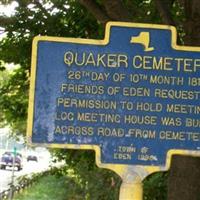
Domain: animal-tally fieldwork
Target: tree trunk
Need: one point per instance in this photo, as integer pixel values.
(184, 174)
(184, 178)
(192, 23)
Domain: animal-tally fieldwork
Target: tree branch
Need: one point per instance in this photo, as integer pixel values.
(5, 21)
(95, 9)
(116, 10)
(40, 6)
(191, 24)
(23, 3)
(163, 8)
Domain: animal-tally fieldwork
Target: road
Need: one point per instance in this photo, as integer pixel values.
(28, 168)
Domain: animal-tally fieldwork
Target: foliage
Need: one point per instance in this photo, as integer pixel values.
(3, 80)
(155, 186)
(96, 183)
(13, 101)
(63, 19)
(62, 183)
(29, 21)
(47, 188)
(85, 19)
(58, 18)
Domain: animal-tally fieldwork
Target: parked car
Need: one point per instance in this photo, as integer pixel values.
(32, 158)
(7, 160)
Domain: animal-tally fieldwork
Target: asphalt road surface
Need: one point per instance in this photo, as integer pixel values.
(28, 168)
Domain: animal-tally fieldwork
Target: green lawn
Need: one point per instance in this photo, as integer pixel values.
(51, 188)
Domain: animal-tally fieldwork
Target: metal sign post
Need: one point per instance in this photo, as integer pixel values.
(133, 97)
(131, 189)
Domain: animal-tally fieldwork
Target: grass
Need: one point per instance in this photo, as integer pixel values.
(50, 187)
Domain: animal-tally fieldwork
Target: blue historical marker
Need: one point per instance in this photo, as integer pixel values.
(134, 95)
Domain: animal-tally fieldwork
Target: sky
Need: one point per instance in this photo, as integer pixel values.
(8, 10)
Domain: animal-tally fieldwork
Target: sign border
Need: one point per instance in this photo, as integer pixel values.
(120, 169)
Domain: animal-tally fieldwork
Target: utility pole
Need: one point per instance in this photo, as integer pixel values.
(13, 174)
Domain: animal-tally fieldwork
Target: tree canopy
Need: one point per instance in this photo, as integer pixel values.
(78, 19)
